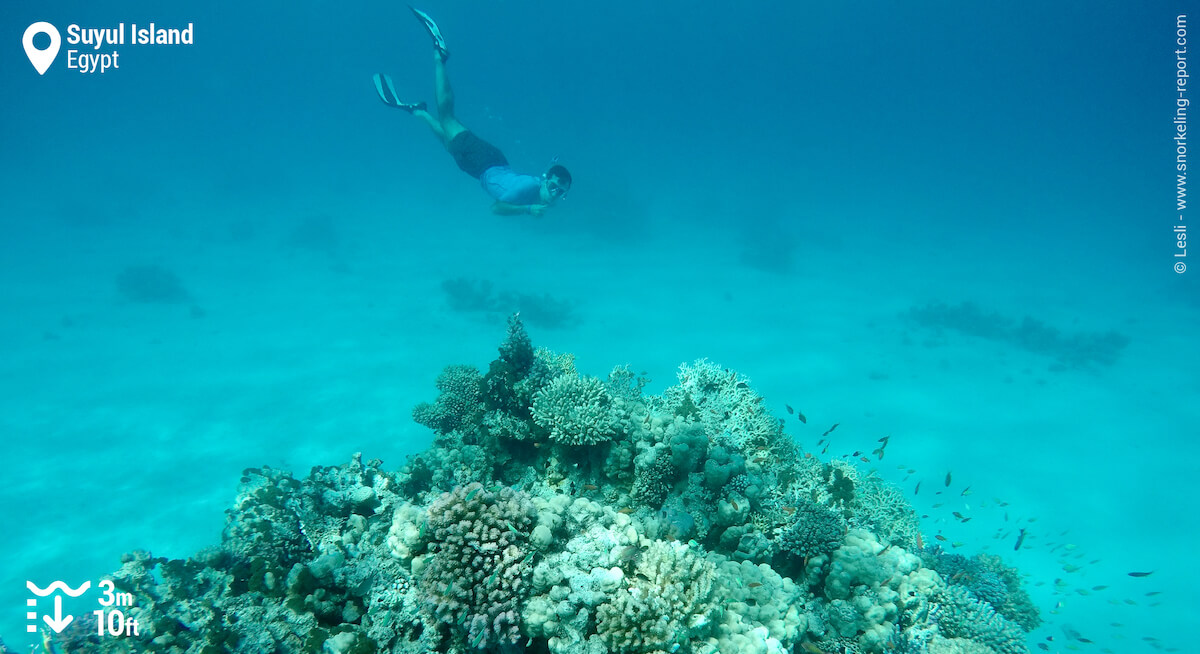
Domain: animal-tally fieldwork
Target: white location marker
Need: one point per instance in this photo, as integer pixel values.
(41, 59)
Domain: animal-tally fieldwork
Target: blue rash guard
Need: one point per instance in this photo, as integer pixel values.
(508, 186)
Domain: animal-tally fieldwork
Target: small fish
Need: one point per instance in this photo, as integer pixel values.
(753, 584)
(957, 515)
(789, 408)
(966, 491)
(473, 492)
(789, 510)
(917, 489)
(864, 459)
(821, 441)
(857, 453)
(1141, 574)
(1020, 539)
(801, 418)
(735, 505)
(1071, 568)
(884, 440)
(830, 430)
(957, 544)
(1099, 588)
(966, 520)
(939, 505)
(947, 480)
(590, 487)
(940, 537)
(1153, 593)
(625, 510)
(1044, 646)
(496, 488)
(825, 450)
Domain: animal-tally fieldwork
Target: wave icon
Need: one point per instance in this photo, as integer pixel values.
(58, 585)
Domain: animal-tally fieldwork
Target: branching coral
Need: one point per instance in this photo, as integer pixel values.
(668, 601)
(475, 578)
(964, 616)
(575, 410)
(458, 404)
(816, 530)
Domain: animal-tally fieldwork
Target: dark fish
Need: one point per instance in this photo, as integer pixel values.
(857, 453)
(1153, 593)
(1020, 539)
(1141, 574)
(825, 450)
(789, 408)
(940, 537)
(957, 515)
(947, 480)
(801, 417)
(884, 440)
(830, 430)
(1044, 646)
(917, 489)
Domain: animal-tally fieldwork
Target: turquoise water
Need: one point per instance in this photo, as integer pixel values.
(941, 222)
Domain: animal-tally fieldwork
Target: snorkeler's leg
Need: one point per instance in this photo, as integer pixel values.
(433, 123)
(445, 101)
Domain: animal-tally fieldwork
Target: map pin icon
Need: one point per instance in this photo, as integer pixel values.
(41, 59)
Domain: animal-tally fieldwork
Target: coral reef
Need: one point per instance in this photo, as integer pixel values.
(563, 513)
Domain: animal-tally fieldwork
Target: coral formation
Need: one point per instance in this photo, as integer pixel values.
(563, 513)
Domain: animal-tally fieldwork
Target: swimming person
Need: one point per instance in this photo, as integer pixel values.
(514, 193)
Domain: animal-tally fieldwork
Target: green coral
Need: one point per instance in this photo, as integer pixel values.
(576, 410)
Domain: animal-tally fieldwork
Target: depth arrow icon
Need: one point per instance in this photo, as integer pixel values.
(59, 622)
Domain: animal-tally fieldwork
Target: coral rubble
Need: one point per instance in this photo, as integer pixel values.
(563, 513)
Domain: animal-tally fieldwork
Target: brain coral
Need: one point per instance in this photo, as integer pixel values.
(575, 410)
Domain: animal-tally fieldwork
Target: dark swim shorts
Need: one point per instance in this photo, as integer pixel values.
(475, 155)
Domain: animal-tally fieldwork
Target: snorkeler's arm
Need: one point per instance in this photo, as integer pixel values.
(506, 209)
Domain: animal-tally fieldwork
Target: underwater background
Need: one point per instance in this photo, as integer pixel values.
(941, 222)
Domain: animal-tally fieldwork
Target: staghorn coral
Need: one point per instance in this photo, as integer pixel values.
(575, 410)
(964, 616)
(668, 601)
(881, 507)
(475, 577)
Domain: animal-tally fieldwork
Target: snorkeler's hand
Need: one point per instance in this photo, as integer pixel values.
(537, 210)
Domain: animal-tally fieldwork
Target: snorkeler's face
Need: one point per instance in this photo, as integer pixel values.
(553, 189)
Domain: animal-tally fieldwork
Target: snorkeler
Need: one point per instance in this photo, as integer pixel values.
(514, 193)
